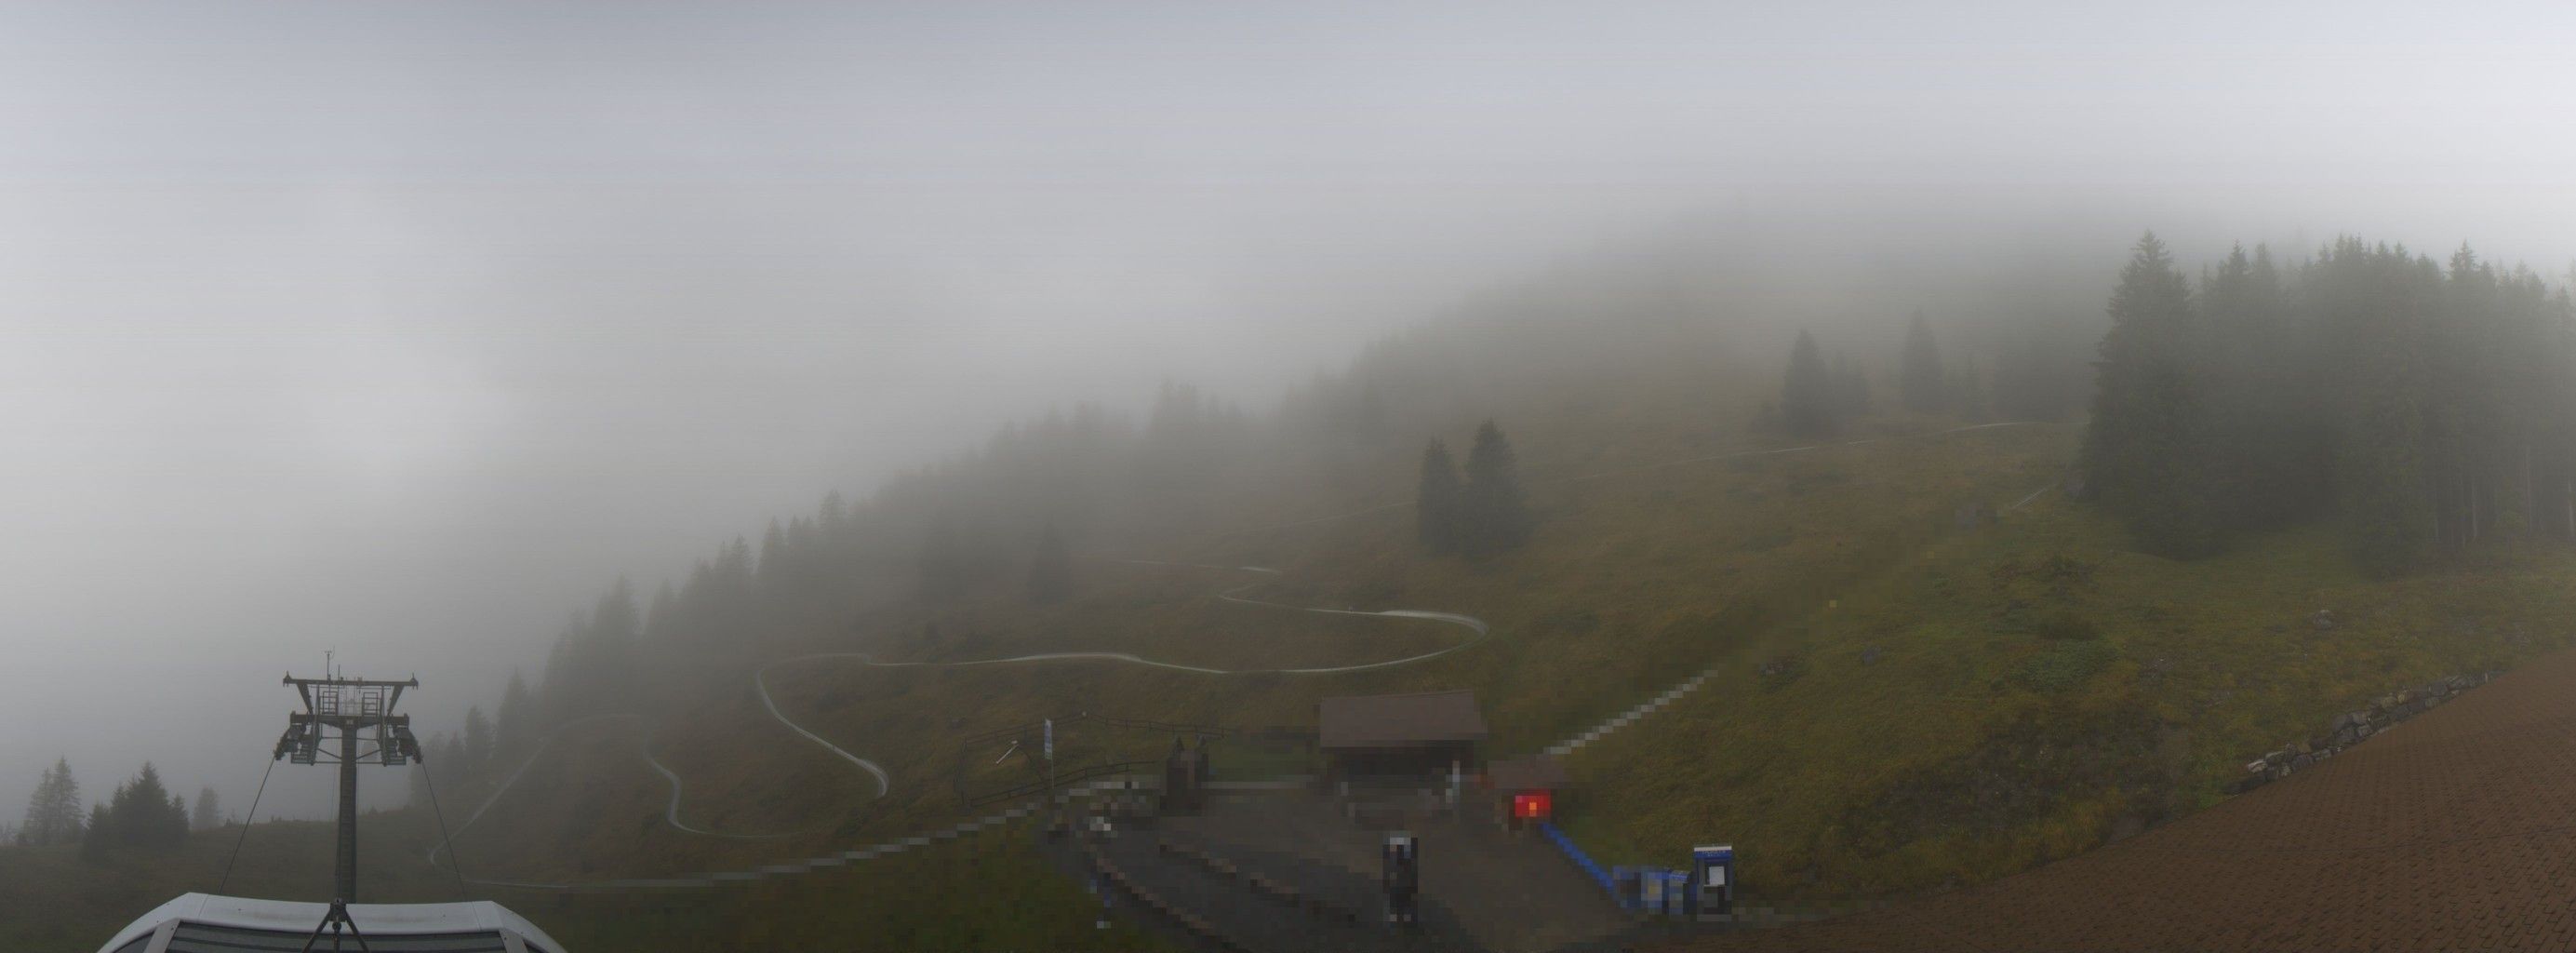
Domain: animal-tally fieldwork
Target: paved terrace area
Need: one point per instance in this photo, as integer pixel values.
(2454, 830)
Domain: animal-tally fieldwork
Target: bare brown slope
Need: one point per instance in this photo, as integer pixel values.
(2453, 830)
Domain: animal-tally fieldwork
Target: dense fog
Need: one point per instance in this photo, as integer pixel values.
(403, 332)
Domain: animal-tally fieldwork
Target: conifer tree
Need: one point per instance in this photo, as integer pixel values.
(1924, 385)
(143, 813)
(2147, 453)
(943, 557)
(1437, 500)
(99, 834)
(1967, 390)
(1807, 397)
(478, 741)
(418, 781)
(510, 727)
(1851, 388)
(1051, 569)
(209, 812)
(1496, 514)
(53, 811)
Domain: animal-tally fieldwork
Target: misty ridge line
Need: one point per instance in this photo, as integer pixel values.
(1184, 449)
(1623, 471)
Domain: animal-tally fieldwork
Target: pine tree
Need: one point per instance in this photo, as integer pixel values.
(1920, 378)
(1807, 397)
(1437, 499)
(510, 729)
(477, 742)
(772, 569)
(1496, 514)
(53, 812)
(143, 813)
(1051, 569)
(99, 835)
(1967, 390)
(2264, 412)
(209, 812)
(2378, 301)
(943, 570)
(1851, 388)
(2147, 453)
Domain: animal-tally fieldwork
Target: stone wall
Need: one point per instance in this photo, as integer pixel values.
(2352, 727)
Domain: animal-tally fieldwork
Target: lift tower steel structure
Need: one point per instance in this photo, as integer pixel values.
(353, 708)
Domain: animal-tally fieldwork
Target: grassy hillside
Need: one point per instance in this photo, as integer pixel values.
(2027, 691)
(1636, 578)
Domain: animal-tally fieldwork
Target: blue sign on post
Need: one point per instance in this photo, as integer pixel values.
(1713, 873)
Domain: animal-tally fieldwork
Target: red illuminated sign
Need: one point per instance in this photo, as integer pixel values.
(1532, 805)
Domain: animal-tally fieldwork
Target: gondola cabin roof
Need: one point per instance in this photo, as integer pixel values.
(204, 922)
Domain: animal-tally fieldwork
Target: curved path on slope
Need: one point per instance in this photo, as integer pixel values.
(760, 679)
(878, 774)
(883, 781)
(644, 747)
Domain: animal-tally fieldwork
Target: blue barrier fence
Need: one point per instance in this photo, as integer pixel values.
(1584, 862)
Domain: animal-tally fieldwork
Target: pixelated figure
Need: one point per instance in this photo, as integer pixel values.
(1402, 856)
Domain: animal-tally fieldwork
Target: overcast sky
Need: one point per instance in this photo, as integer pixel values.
(403, 329)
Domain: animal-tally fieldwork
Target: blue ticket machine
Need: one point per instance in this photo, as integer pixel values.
(1402, 856)
(1650, 891)
(1677, 893)
(1713, 874)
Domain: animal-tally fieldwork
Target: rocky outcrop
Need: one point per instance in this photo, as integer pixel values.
(2353, 727)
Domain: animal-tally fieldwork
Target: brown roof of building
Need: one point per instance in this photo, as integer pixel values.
(1533, 773)
(1379, 721)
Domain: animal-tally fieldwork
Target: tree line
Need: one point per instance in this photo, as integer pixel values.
(1479, 513)
(2032, 379)
(2419, 405)
(141, 814)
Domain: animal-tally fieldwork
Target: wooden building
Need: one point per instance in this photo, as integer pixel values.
(1423, 736)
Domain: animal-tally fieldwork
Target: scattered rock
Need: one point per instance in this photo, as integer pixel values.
(1781, 670)
(2352, 727)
